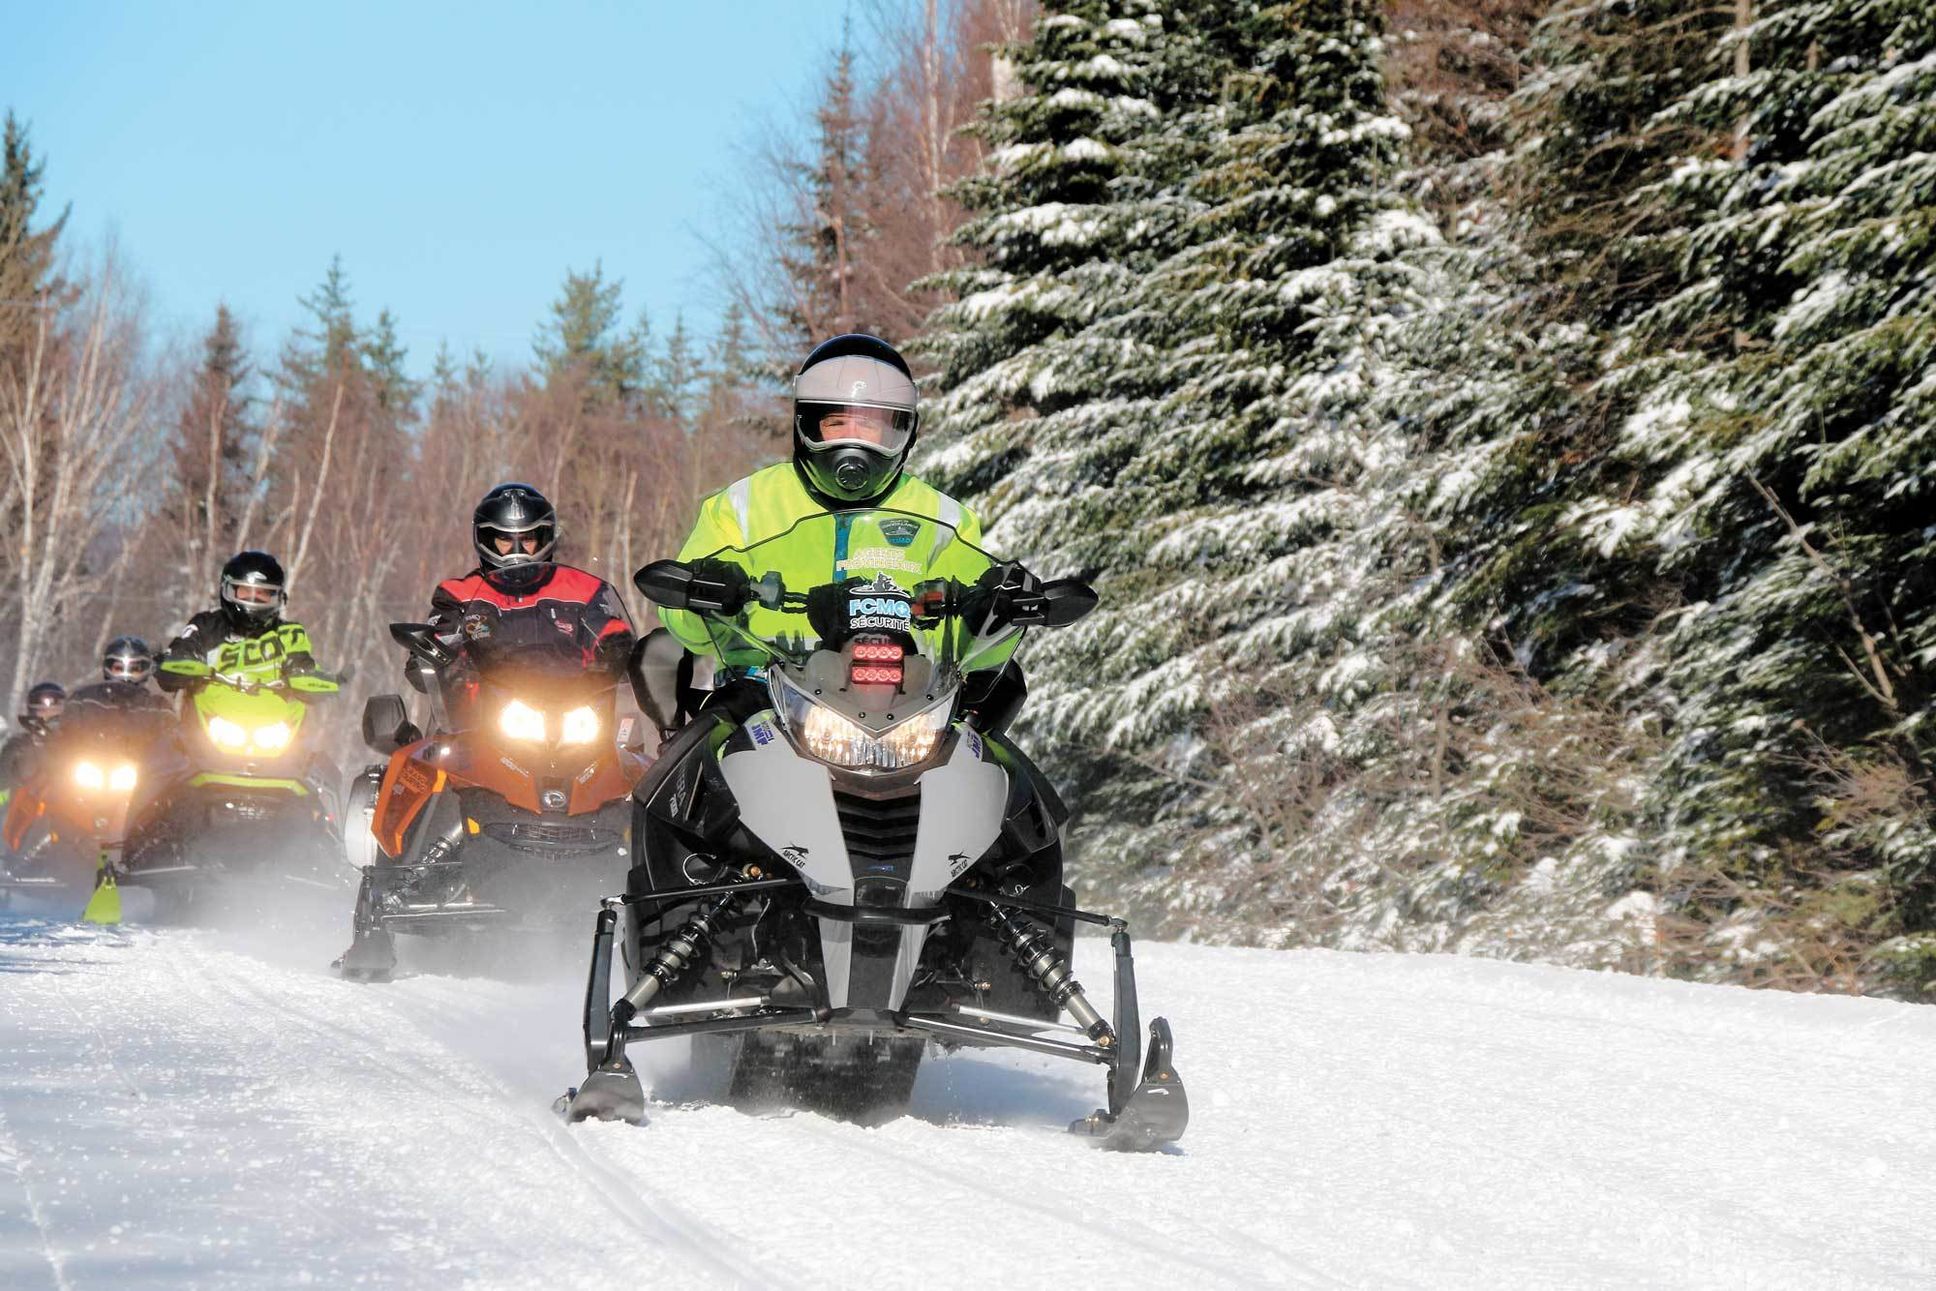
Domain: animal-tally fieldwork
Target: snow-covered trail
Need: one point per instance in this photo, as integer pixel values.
(180, 1108)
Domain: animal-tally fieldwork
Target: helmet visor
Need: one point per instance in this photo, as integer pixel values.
(869, 425)
(130, 668)
(254, 593)
(517, 544)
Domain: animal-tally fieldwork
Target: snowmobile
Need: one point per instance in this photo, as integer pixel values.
(837, 867)
(66, 825)
(511, 817)
(248, 797)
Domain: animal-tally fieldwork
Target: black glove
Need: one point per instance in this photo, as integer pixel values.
(719, 586)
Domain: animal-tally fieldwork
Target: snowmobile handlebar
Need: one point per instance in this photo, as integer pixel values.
(302, 683)
(1007, 593)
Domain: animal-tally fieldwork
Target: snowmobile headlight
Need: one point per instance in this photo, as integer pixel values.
(272, 738)
(230, 735)
(580, 726)
(822, 733)
(520, 721)
(121, 779)
(89, 776)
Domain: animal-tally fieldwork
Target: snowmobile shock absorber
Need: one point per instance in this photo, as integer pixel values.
(1035, 950)
(681, 949)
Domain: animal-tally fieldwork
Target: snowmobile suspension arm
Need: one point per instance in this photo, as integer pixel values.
(1036, 907)
(745, 1022)
(950, 1030)
(664, 896)
(1128, 1024)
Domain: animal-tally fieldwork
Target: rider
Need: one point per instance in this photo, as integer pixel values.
(854, 421)
(246, 636)
(126, 665)
(855, 416)
(17, 756)
(515, 533)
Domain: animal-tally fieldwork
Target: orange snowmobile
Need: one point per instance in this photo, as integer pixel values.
(513, 813)
(65, 826)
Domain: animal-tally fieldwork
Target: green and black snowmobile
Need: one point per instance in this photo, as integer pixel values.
(252, 796)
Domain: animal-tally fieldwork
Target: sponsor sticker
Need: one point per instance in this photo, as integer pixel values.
(880, 606)
(901, 533)
(762, 734)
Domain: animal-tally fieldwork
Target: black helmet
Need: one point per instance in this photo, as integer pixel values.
(46, 701)
(252, 590)
(519, 517)
(854, 419)
(128, 659)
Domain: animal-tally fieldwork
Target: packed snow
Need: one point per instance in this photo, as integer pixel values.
(201, 1108)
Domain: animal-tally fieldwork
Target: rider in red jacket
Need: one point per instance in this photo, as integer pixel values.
(515, 531)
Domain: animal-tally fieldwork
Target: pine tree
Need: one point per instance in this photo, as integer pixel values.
(827, 244)
(27, 278)
(676, 376)
(1049, 257)
(383, 358)
(584, 340)
(1787, 439)
(214, 438)
(330, 343)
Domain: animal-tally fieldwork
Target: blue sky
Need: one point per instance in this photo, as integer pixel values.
(459, 156)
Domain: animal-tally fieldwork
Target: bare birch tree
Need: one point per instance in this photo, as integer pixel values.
(73, 406)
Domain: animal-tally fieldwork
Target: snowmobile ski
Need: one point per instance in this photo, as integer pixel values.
(104, 907)
(1156, 1110)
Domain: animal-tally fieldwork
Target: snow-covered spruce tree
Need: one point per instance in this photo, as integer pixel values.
(1787, 435)
(1342, 768)
(1197, 442)
(1064, 219)
(1262, 331)
(1049, 256)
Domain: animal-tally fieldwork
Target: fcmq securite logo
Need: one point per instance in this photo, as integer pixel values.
(879, 606)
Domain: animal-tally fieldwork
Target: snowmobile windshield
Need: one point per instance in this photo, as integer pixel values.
(876, 585)
(98, 713)
(547, 648)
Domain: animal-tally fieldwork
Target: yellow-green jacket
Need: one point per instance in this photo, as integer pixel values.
(857, 544)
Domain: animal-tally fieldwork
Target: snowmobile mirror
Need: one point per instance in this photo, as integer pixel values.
(386, 724)
(654, 672)
(420, 639)
(1068, 600)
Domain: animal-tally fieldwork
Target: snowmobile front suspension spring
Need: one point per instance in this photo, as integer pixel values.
(680, 951)
(1035, 950)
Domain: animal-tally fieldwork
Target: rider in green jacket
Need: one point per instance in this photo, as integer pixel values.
(854, 422)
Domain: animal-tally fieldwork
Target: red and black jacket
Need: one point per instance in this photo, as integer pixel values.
(460, 605)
